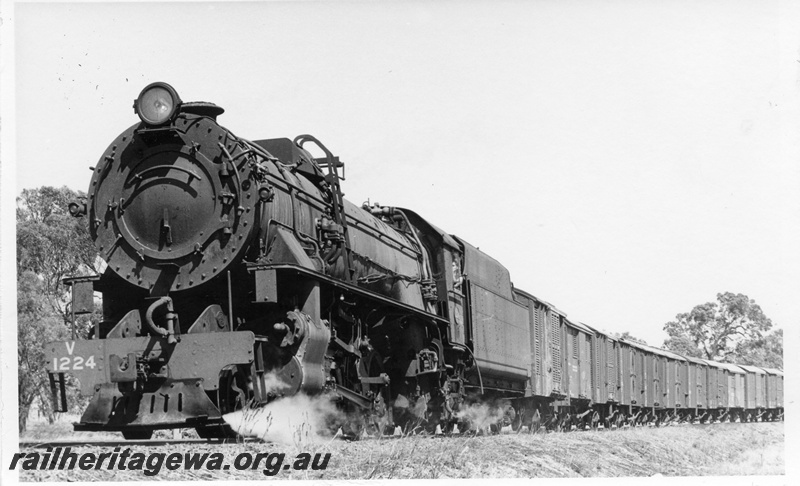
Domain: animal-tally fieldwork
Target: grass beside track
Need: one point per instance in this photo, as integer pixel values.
(699, 450)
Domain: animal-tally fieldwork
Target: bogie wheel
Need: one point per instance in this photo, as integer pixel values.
(595, 421)
(518, 420)
(536, 421)
(137, 434)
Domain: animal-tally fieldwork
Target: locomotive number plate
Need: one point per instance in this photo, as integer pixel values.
(73, 362)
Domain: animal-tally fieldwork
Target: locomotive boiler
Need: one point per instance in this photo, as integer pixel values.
(236, 274)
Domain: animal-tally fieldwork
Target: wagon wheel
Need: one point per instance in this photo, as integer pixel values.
(231, 397)
(536, 421)
(550, 420)
(619, 421)
(595, 420)
(564, 421)
(519, 419)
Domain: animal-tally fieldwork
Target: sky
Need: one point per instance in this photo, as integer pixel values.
(625, 160)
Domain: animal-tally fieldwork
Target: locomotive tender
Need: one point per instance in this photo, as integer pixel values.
(238, 274)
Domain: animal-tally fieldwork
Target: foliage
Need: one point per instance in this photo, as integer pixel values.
(627, 336)
(50, 242)
(51, 245)
(766, 352)
(684, 346)
(36, 325)
(733, 329)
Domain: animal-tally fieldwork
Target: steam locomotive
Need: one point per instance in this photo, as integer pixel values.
(238, 274)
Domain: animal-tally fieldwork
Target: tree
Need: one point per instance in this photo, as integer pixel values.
(627, 336)
(721, 330)
(767, 352)
(51, 245)
(50, 242)
(684, 346)
(37, 324)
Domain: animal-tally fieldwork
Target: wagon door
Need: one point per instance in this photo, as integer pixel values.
(655, 374)
(539, 377)
(587, 361)
(671, 372)
(690, 388)
(712, 387)
(599, 379)
(612, 392)
(554, 341)
(750, 389)
(761, 389)
(682, 388)
(771, 389)
(574, 359)
(724, 387)
(640, 378)
(625, 374)
(701, 385)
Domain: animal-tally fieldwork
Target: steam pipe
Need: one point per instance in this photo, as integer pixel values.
(170, 316)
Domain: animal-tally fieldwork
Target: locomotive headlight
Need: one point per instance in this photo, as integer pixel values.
(157, 104)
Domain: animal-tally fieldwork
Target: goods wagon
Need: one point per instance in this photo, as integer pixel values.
(755, 392)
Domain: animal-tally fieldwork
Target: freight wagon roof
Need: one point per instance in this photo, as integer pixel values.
(634, 344)
(727, 366)
(529, 295)
(554, 308)
(662, 352)
(645, 347)
(696, 360)
(670, 354)
(608, 336)
(579, 326)
(547, 304)
(753, 369)
(713, 363)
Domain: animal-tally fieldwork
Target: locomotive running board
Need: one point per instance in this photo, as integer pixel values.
(253, 268)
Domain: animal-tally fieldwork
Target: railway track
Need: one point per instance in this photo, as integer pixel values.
(126, 443)
(28, 444)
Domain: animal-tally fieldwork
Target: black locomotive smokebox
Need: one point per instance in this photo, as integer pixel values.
(169, 204)
(174, 211)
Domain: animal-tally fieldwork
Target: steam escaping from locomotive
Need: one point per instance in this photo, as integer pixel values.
(297, 420)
